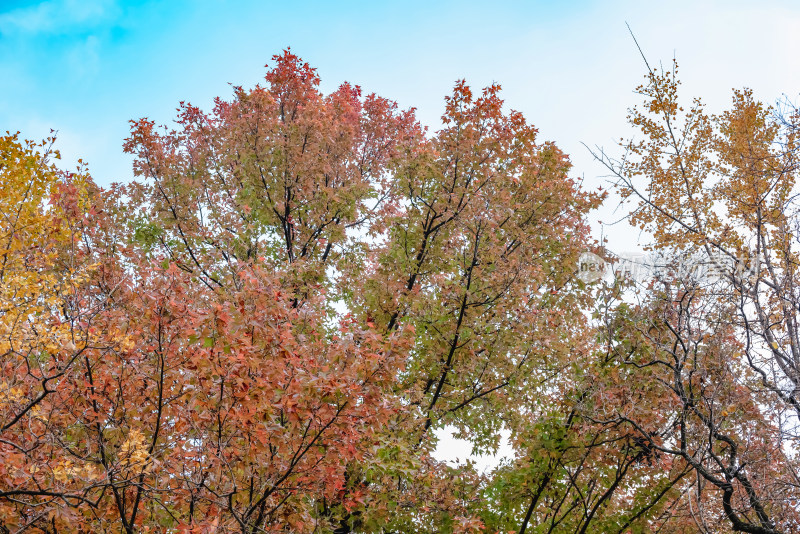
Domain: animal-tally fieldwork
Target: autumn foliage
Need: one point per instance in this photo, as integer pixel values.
(267, 328)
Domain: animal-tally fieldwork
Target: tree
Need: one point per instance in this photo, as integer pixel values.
(456, 242)
(294, 295)
(719, 348)
(46, 315)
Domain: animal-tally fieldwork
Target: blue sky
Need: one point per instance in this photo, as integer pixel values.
(86, 67)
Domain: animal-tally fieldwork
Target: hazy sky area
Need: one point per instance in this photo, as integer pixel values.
(86, 67)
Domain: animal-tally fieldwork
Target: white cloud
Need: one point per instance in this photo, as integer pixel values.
(58, 16)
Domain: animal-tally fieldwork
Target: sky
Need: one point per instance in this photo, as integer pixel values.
(86, 67)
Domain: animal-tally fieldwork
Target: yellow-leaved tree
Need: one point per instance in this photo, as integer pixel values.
(44, 317)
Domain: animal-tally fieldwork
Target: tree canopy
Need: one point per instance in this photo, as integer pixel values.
(265, 330)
